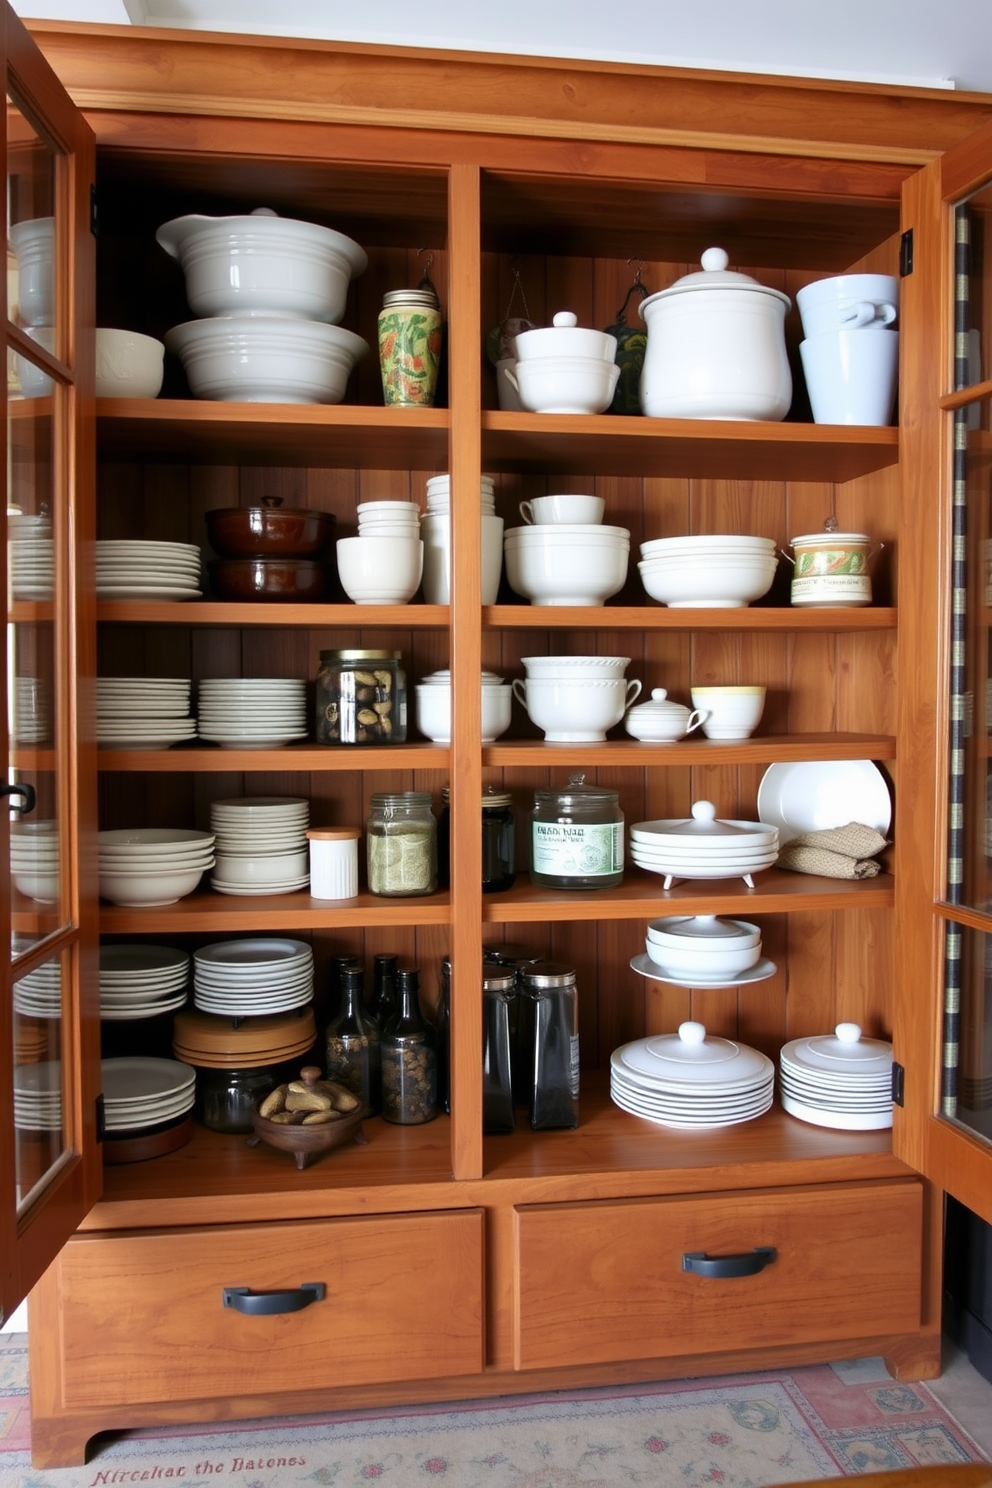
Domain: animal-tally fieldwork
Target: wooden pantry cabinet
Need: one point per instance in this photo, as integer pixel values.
(457, 1265)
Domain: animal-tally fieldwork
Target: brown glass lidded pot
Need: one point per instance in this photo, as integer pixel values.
(270, 531)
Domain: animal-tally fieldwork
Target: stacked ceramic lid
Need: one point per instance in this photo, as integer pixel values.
(691, 1080)
(138, 1093)
(31, 556)
(143, 712)
(141, 981)
(34, 859)
(840, 1080)
(703, 951)
(141, 866)
(210, 1041)
(252, 712)
(703, 846)
(261, 844)
(132, 569)
(253, 976)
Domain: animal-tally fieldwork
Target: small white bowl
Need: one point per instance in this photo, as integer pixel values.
(268, 360)
(564, 384)
(433, 704)
(559, 572)
(705, 963)
(128, 364)
(262, 868)
(380, 570)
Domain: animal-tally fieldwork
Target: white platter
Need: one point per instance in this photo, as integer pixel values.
(759, 972)
(808, 796)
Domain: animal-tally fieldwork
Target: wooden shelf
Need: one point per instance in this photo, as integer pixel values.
(178, 431)
(214, 758)
(659, 617)
(617, 753)
(706, 449)
(237, 615)
(207, 910)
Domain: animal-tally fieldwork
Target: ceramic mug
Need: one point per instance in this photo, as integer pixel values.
(729, 712)
(542, 510)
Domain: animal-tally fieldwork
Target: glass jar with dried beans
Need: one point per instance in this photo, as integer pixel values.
(361, 697)
(401, 844)
(409, 1059)
(351, 1043)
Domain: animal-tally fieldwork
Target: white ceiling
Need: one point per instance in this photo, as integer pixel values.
(915, 42)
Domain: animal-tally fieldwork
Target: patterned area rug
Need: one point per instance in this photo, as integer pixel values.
(738, 1431)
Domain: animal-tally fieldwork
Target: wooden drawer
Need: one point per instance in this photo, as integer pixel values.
(144, 1319)
(605, 1281)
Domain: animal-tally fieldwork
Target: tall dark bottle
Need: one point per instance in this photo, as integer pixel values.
(409, 1058)
(383, 1003)
(352, 1045)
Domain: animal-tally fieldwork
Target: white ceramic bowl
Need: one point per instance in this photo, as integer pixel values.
(575, 666)
(261, 868)
(729, 712)
(552, 570)
(560, 384)
(703, 932)
(707, 962)
(268, 360)
(128, 364)
(261, 264)
(572, 711)
(134, 891)
(380, 570)
(849, 302)
(433, 705)
(153, 841)
(707, 545)
(33, 243)
(565, 338)
(707, 584)
(44, 887)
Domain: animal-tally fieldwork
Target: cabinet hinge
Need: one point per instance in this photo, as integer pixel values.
(898, 1084)
(906, 253)
(94, 215)
(101, 1118)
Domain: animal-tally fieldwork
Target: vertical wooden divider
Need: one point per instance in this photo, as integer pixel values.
(465, 466)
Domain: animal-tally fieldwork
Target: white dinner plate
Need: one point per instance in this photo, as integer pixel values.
(808, 796)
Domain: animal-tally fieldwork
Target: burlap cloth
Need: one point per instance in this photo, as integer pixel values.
(835, 852)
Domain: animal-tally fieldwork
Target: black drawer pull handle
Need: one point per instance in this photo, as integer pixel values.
(264, 1304)
(748, 1264)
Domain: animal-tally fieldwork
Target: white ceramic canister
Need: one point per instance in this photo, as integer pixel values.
(716, 347)
(831, 568)
(333, 862)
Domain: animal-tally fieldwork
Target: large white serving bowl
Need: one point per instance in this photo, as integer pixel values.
(558, 384)
(154, 842)
(261, 264)
(557, 571)
(136, 891)
(128, 364)
(573, 710)
(266, 360)
(380, 570)
(707, 583)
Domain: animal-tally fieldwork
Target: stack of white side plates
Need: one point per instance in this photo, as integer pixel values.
(143, 712)
(140, 981)
(38, 1096)
(31, 710)
(252, 712)
(242, 978)
(139, 1092)
(690, 1081)
(262, 844)
(839, 1080)
(131, 569)
(31, 557)
(703, 847)
(39, 994)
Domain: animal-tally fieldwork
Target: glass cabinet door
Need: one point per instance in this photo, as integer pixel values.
(50, 1160)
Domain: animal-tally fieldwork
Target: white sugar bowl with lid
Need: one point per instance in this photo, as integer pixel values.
(660, 721)
(716, 347)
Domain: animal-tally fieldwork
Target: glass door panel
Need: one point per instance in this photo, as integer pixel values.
(973, 295)
(40, 1143)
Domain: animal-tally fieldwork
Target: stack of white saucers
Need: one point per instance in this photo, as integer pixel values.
(39, 994)
(141, 981)
(703, 846)
(262, 844)
(691, 1081)
(38, 1096)
(242, 978)
(34, 859)
(840, 1080)
(703, 951)
(252, 712)
(31, 556)
(140, 1092)
(141, 866)
(143, 712)
(31, 710)
(131, 569)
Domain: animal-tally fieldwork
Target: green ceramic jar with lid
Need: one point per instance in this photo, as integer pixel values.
(577, 837)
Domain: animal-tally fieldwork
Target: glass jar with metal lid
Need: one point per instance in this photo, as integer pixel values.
(547, 1046)
(361, 697)
(577, 837)
(499, 990)
(401, 841)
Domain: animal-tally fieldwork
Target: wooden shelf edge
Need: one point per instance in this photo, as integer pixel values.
(221, 613)
(305, 758)
(619, 753)
(210, 911)
(658, 617)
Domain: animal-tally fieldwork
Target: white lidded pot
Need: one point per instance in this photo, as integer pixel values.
(716, 347)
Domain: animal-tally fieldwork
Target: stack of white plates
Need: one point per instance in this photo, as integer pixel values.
(252, 712)
(703, 847)
(34, 859)
(141, 981)
(39, 994)
(262, 844)
(242, 978)
(139, 1092)
(38, 1096)
(703, 951)
(143, 712)
(31, 710)
(690, 1081)
(839, 1080)
(141, 866)
(130, 569)
(31, 556)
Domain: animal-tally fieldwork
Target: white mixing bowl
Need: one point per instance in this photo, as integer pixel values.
(268, 360)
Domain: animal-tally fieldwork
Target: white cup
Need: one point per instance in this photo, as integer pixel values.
(851, 377)
(729, 712)
(333, 862)
(541, 510)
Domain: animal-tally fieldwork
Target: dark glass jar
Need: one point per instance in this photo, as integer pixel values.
(577, 837)
(227, 1097)
(499, 987)
(361, 697)
(499, 840)
(548, 1045)
(351, 1044)
(409, 1060)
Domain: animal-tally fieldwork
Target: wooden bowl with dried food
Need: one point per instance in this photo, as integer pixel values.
(308, 1117)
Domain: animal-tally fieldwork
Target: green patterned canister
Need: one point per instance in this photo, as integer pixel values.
(409, 347)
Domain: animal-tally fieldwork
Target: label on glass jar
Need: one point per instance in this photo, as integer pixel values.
(573, 1066)
(563, 850)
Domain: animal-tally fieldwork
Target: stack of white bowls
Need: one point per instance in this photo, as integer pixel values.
(850, 355)
(31, 710)
(701, 846)
(246, 978)
(691, 1081)
(566, 563)
(252, 712)
(34, 859)
(142, 866)
(141, 981)
(273, 290)
(433, 699)
(261, 844)
(143, 712)
(384, 563)
(703, 951)
(839, 1080)
(31, 556)
(130, 569)
(575, 699)
(719, 571)
(435, 529)
(564, 368)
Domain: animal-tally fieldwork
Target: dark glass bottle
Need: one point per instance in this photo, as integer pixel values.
(383, 988)
(442, 1037)
(339, 965)
(352, 1044)
(409, 1059)
(548, 1045)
